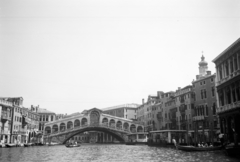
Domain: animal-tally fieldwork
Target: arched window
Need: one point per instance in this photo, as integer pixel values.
(62, 127)
(105, 121)
(48, 130)
(69, 125)
(119, 125)
(133, 128)
(84, 122)
(139, 129)
(112, 123)
(94, 117)
(125, 126)
(76, 123)
(55, 128)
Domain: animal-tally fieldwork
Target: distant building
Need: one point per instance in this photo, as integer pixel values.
(205, 117)
(128, 111)
(228, 90)
(44, 117)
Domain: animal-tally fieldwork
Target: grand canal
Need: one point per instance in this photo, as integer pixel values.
(108, 152)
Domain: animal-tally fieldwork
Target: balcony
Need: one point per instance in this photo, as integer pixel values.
(230, 76)
(5, 116)
(228, 107)
(5, 103)
(4, 132)
(198, 118)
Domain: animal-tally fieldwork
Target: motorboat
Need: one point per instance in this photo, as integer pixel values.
(193, 148)
(72, 145)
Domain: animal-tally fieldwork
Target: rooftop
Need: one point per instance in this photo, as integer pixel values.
(226, 50)
(132, 105)
(44, 111)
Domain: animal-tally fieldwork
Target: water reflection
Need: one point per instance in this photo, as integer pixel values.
(108, 152)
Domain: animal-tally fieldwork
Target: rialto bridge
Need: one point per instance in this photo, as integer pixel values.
(92, 120)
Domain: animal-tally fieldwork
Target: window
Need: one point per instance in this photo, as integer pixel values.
(205, 93)
(227, 69)
(201, 94)
(200, 83)
(220, 72)
(20, 119)
(206, 110)
(211, 79)
(214, 108)
(204, 82)
(235, 62)
(213, 91)
(51, 117)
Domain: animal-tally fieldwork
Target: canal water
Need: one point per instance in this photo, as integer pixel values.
(107, 152)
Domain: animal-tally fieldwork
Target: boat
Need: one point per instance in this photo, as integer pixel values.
(232, 150)
(27, 144)
(130, 143)
(75, 145)
(193, 148)
(10, 145)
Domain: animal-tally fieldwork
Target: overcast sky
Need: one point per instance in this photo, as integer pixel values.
(67, 56)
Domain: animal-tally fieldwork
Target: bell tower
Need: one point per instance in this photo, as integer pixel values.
(203, 66)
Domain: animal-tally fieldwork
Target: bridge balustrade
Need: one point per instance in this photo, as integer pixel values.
(96, 125)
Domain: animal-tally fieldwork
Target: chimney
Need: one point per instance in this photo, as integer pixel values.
(142, 101)
(179, 88)
(197, 77)
(208, 72)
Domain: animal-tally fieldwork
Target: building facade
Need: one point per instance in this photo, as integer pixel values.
(205, 117)
(228, 91)
(128, 111)
(6, 108)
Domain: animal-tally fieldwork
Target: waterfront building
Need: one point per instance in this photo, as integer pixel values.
(30, 123)
(181, 114)
(164, 112)
(228, 91)
(144, 113)
(205, 104)
(170, 115)
(6, 108)
(16, 125)
(128, 111)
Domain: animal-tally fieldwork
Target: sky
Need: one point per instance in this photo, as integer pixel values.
(68, 56)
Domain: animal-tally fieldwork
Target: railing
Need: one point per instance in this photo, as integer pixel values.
(5, 103)
(197, 118)
(228, 107)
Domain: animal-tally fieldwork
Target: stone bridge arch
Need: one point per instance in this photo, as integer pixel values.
(120, 137)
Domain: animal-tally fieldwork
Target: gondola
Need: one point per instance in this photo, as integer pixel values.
(10, 145)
